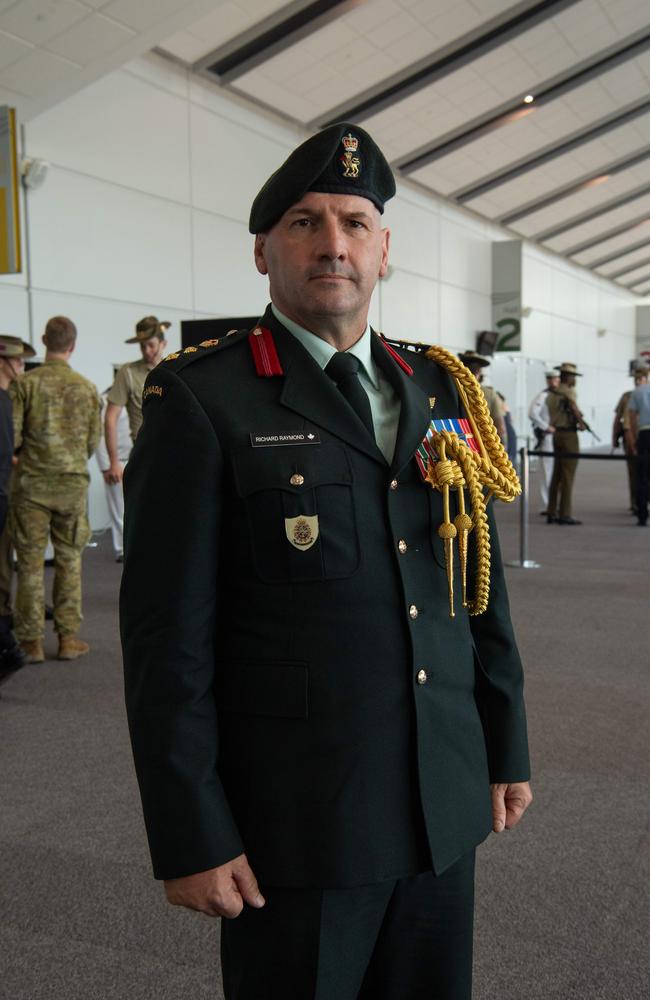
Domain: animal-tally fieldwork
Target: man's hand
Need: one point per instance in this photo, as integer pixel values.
(114, 474)
(218, 892)
(509, 803)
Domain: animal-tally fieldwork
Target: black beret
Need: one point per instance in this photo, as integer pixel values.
(342, 159)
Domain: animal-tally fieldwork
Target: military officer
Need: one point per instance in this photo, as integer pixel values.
(57, 427)
(567, 420)
(326, 719)
(13, 352)
(126, 390)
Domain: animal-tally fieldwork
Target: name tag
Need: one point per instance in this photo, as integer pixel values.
(286, 437)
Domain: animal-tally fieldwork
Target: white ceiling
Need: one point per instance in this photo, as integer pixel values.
(322, 74)
(52, 48)
(475, 65)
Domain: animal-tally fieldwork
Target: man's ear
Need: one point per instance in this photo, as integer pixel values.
(385, 246)
(260, 257)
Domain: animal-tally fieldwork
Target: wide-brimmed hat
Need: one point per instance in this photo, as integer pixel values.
(567, 368)
(473, 357)
(148, 327)
(14, 347)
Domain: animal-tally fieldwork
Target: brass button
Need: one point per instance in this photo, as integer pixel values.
(413, 611)
(297, 479)
(402, 546)
(393, 484)
(422, 677)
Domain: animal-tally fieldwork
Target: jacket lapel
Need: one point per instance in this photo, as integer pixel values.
(308, 391)
(415, 413)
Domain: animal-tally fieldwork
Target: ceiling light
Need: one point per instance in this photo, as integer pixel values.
(528, 99)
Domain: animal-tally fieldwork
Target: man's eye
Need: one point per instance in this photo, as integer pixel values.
(302, 223)
(355, 224)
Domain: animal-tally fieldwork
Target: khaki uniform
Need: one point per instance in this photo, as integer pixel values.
(57, 428)
(622, 421)
(565, 440)
(127, 391)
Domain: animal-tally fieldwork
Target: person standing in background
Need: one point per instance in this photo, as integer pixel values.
(113, 491)
(57, 428)
(126, 390)
(622, 433)
(639, 414)
(544, 429)
(476, 363)
(13, 352)
(567, 419)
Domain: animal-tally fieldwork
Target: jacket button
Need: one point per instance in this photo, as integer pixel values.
(413, 611)
(402, 546)
(297, 479)
(422, 677)
(393, 484)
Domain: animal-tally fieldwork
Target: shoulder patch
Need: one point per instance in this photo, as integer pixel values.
(153, 390)
(178, 360)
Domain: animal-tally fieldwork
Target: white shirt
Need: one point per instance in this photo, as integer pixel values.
(538, 412)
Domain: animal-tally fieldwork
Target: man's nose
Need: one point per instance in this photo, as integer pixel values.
(332, 244)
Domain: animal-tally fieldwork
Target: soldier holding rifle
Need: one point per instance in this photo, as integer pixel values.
(567, 420)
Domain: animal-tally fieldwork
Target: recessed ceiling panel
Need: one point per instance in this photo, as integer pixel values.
(614, 267)
(604, 189)
(363, 48)
(555, 173)
(601, 224)
(640, 233)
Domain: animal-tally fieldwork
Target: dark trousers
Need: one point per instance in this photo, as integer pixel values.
(564, 471)
(642, 475)
(405, 939)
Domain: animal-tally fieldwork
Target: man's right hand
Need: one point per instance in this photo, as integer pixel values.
(218, 892)
(114, 473)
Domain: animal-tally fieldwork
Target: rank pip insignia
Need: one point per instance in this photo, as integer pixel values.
(351, 163)
(301, 531)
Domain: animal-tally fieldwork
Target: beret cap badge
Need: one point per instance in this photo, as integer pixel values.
(351, 163)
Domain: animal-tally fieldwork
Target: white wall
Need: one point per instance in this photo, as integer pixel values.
(145, 210)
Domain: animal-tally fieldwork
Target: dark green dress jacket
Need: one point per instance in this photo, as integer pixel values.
(272, 689)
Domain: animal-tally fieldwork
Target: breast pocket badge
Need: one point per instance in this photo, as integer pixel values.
(301, 531)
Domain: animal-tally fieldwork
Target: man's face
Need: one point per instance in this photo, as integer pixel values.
(640, 379)
(323, 257)
(553, 381)
(152, 350)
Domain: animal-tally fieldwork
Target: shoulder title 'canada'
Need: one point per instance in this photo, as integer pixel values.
(178, 360)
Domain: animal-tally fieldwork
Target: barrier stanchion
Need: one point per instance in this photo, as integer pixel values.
(524, 562)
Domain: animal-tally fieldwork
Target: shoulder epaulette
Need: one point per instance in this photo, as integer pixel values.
(406, 345)
(178, 360)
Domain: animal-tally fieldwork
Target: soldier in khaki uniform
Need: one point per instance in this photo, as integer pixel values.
(621, 430)
(476, 362)
(127, 389)
(567, 419)
(57, 428)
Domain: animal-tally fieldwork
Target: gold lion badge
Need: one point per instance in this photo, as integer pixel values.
(350, 162)
(301, 531)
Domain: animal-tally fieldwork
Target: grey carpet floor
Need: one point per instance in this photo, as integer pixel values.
(561, 902)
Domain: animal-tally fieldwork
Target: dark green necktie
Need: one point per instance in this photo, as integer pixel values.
(343, 368)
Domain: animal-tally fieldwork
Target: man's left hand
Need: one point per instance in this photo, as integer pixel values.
(509, 803)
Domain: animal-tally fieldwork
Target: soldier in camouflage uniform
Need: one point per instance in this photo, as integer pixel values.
(57, 428)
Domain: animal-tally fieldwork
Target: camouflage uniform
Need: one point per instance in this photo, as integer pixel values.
(57, 428)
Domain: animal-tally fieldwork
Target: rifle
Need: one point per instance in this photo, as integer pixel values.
(571, 409)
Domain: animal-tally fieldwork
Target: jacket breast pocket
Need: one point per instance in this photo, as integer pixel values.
(300, 512)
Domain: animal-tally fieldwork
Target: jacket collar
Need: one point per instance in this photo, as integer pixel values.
(309, 392)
